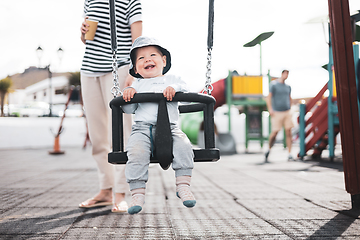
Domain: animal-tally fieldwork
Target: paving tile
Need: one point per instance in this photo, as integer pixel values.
(238, 197)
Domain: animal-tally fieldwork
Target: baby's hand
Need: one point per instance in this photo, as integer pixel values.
(128, 94)
(169, 93)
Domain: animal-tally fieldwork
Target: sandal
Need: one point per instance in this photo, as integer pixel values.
(120, 207)
(96, 203)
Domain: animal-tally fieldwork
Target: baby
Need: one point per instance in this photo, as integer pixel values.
(149, 64)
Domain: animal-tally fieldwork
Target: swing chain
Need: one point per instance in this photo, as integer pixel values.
(208, 87)
(115, 90)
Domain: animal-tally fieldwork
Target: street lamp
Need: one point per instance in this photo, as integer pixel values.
(39, 53)
(60, 52)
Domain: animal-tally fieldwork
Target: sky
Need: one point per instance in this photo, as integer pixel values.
(181, 26)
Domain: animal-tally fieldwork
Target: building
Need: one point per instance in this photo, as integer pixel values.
(39, 85)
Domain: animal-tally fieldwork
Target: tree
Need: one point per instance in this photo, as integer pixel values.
(74, 84)
(74, 79)
(5, 85)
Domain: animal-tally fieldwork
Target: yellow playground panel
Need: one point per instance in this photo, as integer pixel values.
(247, 91)
(247, 86)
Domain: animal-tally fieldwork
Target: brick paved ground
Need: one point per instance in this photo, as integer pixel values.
(239, 197)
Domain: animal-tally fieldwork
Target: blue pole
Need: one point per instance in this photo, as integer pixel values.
(331, 140)
(228, 85)
(356, 61)
(302, 109)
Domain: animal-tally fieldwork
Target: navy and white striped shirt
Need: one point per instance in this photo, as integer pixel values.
(98, 55)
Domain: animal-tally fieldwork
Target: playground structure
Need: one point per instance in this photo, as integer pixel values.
(243, 91)
(246, 93)
(192, 124)
(318, 119)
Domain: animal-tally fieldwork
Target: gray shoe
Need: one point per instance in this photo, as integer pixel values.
(267, 155)
(290, 158)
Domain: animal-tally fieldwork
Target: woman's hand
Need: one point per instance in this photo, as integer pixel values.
(129, 80)
(83, 29)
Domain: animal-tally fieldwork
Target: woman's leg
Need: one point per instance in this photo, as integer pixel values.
(97, 119)
(120, 186)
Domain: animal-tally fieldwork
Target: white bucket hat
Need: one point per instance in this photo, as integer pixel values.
(144, 42)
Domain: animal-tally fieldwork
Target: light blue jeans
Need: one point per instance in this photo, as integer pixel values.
(139, 151)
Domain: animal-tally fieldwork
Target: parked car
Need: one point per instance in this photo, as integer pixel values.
(30, 109)
(73, 110)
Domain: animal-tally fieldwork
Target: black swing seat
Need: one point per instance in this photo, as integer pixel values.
(197, 102)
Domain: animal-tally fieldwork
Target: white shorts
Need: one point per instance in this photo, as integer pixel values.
(281, 119)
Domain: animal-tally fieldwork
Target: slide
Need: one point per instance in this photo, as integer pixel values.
(316, 127)
(219, 90)
(191, 124)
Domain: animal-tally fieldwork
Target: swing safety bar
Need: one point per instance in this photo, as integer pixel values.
(198, 102)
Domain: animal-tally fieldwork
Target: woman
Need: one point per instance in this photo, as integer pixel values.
(96, 84)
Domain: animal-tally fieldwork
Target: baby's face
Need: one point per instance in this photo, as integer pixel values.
(150, 62)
